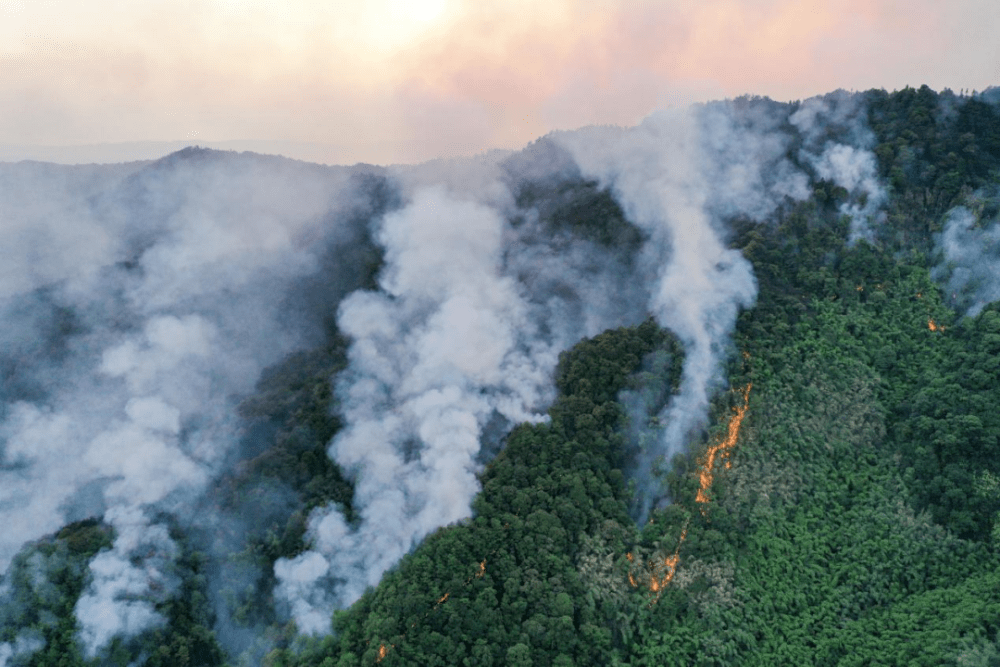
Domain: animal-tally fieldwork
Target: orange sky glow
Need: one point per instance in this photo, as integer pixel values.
(394, 81)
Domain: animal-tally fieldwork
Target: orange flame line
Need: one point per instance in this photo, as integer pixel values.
(722, 449)
(662, 575)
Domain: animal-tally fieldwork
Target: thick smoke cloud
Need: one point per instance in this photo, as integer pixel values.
(463, 331)
(139, 303)
(121, 596)
(970, 259)
(677, 175)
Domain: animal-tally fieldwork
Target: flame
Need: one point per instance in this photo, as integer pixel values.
(662, 574)
(670, 563)
(859, 288)
(934, 326)
(383, 650)
(722, 449)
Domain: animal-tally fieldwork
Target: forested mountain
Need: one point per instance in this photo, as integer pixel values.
(720, 389)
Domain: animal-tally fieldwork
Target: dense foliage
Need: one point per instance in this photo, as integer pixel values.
(858, 524)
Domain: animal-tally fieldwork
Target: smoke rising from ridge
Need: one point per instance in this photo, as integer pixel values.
(144, 301)
(850, 165)
(674, 175)
(970, 266)
(150, 298)
(473, 310)
(121, 596)
(460, 333)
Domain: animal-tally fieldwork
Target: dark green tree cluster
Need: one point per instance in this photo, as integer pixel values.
(516, 584)
(933, 150)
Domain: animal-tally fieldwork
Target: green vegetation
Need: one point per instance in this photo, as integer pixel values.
(859, 523)
(46, 579)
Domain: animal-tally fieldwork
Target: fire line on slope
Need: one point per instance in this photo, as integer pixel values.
(662, 571)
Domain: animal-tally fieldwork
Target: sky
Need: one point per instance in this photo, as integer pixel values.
(403, 81)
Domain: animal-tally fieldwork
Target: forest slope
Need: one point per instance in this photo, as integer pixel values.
(840, 504)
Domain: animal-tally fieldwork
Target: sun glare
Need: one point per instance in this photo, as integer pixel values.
(421, 12)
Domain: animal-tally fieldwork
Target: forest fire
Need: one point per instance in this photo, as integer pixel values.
(383, 651)
(934, 326)
(663, 573)
(722, 449)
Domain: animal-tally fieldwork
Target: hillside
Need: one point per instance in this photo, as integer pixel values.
(716, 390)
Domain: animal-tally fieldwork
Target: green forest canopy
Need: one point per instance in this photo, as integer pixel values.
(858, 523)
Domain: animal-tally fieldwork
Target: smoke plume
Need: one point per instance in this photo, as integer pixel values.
(970, 259)
(465, 329)
(478, 296)
(837, 143)
(138, 304)
(678, 175)
(141, 302)
(121, 597)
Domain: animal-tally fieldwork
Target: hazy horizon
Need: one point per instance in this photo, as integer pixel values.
(394, 82)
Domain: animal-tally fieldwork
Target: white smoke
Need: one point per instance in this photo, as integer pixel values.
(850, 165)
(674, 175)
(138, 304)
(25, 644)
(142, 301)
(127, 581)
(449, 342)
(472, 314)
(970, 265)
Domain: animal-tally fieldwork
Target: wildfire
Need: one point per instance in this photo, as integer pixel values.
(722, 449)
(934, 326)
(383, 650)
(662, 573)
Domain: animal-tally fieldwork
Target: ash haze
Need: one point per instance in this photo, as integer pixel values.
(394, 81)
